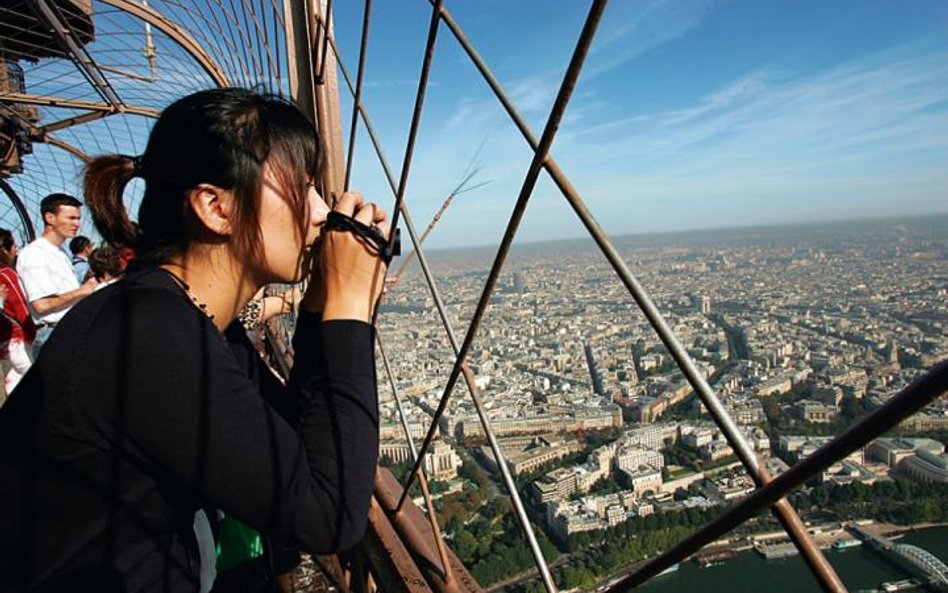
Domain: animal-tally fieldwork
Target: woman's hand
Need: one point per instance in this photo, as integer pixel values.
(289, 299)
(352, 273)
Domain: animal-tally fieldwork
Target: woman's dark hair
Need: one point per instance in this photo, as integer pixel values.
(221, 137)
(6, 239)
(105, 261)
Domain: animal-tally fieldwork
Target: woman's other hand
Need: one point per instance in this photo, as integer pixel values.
(352, 273)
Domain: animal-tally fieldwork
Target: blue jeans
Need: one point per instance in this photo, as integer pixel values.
(42, 334)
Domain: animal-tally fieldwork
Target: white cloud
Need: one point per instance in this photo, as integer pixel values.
(854, 113)
(630, 29)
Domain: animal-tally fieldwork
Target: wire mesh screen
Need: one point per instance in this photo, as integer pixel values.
(97, 86)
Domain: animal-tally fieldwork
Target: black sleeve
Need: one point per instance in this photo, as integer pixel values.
(282, 399)
(189, 407)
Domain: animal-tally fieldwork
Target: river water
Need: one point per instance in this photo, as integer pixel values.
(859, 568)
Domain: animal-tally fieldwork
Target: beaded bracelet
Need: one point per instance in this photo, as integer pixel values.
(251, 314)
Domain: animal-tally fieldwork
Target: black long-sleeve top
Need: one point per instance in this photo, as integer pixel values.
(137, 413)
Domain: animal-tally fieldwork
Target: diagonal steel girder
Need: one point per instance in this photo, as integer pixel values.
(38, 134)
(77, 51)
(445, 574)
(526, 191)
(433, 27)
(363, 52)
(824, 572)
(48, 101)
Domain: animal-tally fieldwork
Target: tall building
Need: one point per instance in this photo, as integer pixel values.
(705, 305)
(892, 352)
(518, 285)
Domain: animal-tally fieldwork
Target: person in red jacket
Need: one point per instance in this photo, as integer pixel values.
(17, 330)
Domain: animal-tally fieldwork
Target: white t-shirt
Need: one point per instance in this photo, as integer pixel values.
(45, 270)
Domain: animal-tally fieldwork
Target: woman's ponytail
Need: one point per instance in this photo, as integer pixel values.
(103, 184)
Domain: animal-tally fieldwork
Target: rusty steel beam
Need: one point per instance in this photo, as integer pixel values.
(328, 114)
(74, 121)
(354, 125)
(433, 25)
(128, 74)
(389, 560)
(77, 52)
(296, 25)
(176, 33)
(410, 523)
(327, 10)
(47, 101)
(47, 139)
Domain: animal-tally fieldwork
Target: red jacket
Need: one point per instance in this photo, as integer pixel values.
(15, 307)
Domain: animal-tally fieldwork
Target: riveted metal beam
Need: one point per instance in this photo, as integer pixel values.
(47, 139)
(74, 121)
(390, 561)
(77, 53)
(48, 101)
(411, 525)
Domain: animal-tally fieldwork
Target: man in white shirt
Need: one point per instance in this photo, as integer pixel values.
(46, 271)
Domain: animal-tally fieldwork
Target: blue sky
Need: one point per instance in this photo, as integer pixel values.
(689, 114)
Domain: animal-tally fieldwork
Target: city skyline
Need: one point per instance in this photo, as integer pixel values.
(800, 333)
(707, 235)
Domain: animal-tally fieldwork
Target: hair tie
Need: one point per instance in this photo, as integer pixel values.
(137, 167)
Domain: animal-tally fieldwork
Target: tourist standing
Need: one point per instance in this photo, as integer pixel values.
(81, 248)
(45, 270)
(17, 330)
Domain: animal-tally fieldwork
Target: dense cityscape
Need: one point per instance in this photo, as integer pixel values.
(799, 330)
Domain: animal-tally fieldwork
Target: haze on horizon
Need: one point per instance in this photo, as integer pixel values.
(816, 234)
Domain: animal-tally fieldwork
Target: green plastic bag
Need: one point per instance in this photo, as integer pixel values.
(236, 544)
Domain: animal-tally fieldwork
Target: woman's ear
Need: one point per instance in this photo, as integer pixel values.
(214, 207)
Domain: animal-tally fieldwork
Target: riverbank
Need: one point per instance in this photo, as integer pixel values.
(724, 561)
(861, 568)
(777, 544)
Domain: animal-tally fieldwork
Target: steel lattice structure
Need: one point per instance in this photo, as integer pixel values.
(83, 78)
